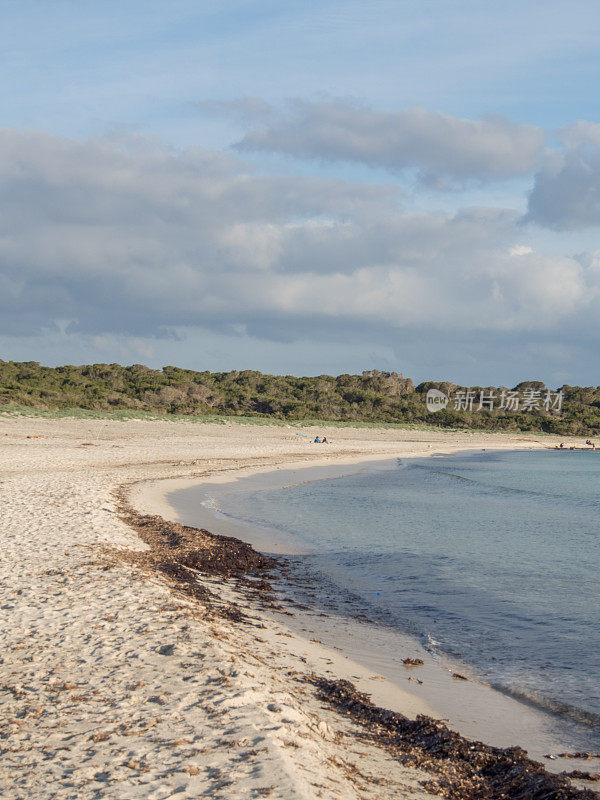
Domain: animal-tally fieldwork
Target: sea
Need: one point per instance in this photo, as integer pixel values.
(492, 558)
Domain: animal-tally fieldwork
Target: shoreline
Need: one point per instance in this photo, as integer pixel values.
(113, 684)
(475, 708)
(458, 767)
(154, 495)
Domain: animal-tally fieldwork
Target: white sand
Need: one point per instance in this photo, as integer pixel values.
(89, 707)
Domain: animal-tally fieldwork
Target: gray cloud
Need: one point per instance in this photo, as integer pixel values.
(566, 192)
(131, 238)
(444, 149)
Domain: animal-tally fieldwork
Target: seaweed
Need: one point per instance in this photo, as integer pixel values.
(463, 769)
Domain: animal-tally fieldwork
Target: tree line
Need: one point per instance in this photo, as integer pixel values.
(373, 396)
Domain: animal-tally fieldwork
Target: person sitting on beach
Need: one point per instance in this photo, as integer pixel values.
(317, 440)
(324, 440)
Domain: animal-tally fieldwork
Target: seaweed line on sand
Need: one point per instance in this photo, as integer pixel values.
(180, 553)
(463, 769)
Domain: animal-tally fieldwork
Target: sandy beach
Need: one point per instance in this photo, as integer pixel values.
(114, 685)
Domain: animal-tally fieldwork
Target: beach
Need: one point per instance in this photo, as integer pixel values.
(116, 683)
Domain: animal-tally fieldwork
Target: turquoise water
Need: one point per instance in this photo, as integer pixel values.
(490, 557)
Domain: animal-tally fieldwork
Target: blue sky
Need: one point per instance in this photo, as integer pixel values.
(152, 214)
(80, 68)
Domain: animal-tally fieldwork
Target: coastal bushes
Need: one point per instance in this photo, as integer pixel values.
(373, 396)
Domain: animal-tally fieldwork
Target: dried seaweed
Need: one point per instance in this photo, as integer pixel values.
(464, 769)
(181, 552)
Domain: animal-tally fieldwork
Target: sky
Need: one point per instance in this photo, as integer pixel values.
(303, 187)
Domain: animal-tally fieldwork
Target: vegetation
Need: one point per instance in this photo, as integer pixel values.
(373, 397)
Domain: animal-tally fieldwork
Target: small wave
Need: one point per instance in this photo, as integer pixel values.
(552, 704)
(211, 503)
(500, 489)
(490, 487)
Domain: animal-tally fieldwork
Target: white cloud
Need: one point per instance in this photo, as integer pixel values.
(566, 192)
(443, 148)
(520, 250)
(135, 240)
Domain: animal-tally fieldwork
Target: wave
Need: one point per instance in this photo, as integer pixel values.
(212, 504)
(501, 489)
(556, 706)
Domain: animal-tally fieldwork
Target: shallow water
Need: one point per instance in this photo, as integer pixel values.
(491, 557)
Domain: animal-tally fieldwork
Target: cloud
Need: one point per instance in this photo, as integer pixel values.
(566, 192)
(134, 239)
(443, 149)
